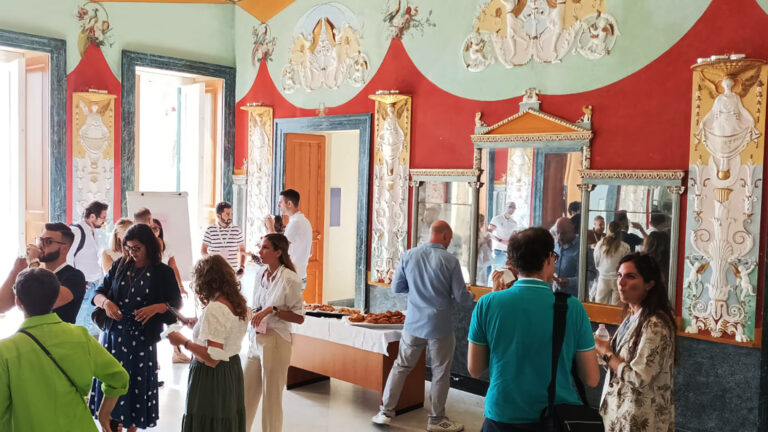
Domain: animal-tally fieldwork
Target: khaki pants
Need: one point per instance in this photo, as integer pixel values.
(265, 376)
(441, 356)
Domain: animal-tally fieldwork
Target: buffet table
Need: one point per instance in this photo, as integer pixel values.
(329, 348)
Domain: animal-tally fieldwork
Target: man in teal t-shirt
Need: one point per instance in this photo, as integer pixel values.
(510, 336)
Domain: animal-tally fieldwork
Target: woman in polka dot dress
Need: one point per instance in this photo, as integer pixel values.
(136, 295)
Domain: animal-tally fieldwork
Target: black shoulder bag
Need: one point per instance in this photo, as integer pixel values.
(50, 356)
(566, 417)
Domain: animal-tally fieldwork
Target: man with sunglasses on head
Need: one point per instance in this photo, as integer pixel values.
(84, 256)
(50, 252)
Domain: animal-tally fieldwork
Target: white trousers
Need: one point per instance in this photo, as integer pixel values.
(265, 376)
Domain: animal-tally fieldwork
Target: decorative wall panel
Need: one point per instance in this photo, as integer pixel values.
(513, 32)
(259, 166)
(93, 153)
(392, 144)
(326, 52)
(726, 166)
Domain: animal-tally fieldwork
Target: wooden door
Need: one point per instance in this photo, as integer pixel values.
(305, 172)
(553, 196)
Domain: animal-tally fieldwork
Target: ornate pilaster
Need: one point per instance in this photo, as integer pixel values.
(391, 159)
(258, 202)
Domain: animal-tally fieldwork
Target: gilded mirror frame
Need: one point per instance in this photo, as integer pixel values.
(673, 181)
(470, 176)
(530, 128)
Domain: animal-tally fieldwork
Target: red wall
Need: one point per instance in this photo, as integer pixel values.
(93, 72)
(640, 122)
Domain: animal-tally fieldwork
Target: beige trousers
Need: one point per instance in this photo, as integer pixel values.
(265, 376)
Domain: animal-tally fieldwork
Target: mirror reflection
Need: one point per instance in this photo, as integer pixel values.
(625, 219)
(523, 187)
(451, 202)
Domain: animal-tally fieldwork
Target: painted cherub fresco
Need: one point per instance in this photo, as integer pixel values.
(402, 17)
(94, 26)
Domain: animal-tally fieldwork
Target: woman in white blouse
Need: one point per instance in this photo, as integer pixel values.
(608, 252)
(215, 384)
(276, 304)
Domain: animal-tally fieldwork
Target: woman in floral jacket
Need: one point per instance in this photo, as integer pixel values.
(637, 395)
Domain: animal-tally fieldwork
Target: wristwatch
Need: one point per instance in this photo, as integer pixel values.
(607, 357)
(34, 261)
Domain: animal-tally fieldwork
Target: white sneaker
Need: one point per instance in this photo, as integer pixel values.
(445, 425)
(381, 419)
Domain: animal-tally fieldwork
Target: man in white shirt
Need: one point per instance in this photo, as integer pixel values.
(501, 227)
(225, 239)
(84, 256)
(298, 232)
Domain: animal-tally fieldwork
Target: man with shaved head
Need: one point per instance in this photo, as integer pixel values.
(567, 265)
(433, 281)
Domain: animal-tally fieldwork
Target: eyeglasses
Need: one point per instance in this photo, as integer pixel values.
(47, 241)
(132, 248)
(555, 255)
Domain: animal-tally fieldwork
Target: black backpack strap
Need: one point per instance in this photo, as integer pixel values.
(50, 356)
(81, 243)
(558, 335)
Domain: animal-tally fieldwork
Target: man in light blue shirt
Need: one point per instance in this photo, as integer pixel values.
(432, 278)
(567, 266)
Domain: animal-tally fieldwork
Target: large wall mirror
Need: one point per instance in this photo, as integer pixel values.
(530, 164)
(449, 195)
(640, 210)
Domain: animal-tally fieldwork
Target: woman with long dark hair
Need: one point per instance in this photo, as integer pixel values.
(276, 303)
(215, 383)
(641, 355)
(608, 251)
(136, 295)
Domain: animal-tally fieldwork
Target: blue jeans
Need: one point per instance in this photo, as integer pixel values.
(499, 260)
(86, 308)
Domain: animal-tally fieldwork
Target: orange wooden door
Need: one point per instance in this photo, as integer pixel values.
(305, 172)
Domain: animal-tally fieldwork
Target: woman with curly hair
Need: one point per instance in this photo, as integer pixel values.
(215, 386)
(640, 357)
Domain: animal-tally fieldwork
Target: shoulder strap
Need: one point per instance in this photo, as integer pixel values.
(81, 243)
(558, 334)
(50, 356)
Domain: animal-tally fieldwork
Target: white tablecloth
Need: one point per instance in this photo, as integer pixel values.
(335, 330)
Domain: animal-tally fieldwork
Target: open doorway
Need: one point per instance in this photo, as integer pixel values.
(323, 166)
(24, 147)
(344, 207)
(179, 141)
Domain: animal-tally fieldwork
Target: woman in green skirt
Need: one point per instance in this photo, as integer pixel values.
(215, 386)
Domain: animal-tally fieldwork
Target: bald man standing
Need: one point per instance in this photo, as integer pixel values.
(433, 281)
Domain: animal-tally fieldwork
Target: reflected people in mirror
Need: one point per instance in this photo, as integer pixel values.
(502, 226)
(567, 266)
(608, 252)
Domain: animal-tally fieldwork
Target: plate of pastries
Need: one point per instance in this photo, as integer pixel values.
(324, 310)
(389, 320)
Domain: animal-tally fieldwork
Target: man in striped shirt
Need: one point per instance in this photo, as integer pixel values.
(225, 239)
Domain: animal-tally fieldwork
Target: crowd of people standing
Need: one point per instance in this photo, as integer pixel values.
(136, 304)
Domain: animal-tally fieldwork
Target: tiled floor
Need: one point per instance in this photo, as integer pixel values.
(325, 406)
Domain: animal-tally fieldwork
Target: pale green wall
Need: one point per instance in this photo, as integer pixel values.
(648, 28)
(189, 31)
(222, 34)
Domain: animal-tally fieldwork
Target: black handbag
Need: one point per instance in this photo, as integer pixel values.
(99, 317)
(566, 417)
